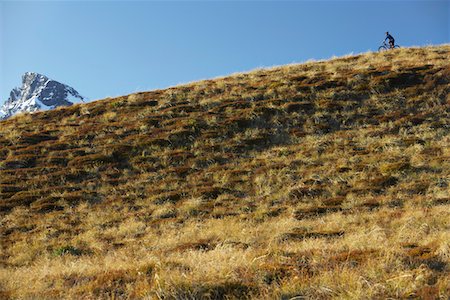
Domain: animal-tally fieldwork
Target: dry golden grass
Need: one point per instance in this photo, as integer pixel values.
(324, 180)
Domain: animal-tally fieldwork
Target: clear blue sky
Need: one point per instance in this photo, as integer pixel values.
(111, 48)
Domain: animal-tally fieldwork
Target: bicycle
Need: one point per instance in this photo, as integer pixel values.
(386, 47)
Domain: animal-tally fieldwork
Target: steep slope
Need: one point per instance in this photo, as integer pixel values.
(38, 93)
(322, 180)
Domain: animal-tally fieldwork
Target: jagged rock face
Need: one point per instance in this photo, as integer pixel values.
(38, 93)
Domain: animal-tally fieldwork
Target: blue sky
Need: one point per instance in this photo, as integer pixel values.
(111, 48)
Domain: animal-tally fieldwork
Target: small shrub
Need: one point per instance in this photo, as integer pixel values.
(67, 250)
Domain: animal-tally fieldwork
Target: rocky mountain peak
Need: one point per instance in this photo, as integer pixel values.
(38, 92)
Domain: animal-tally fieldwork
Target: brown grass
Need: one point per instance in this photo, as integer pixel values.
(324, 180)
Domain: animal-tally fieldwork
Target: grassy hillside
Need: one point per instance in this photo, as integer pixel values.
(322, 180)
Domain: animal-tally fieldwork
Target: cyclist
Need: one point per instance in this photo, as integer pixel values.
(391, 40)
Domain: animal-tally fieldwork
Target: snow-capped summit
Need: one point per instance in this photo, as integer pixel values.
(38, 93)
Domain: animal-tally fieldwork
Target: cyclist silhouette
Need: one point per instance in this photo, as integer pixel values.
(391, 39)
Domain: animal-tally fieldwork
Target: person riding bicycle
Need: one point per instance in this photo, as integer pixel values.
(391, 39)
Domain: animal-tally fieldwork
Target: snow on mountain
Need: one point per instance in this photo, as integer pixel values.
(38, 93)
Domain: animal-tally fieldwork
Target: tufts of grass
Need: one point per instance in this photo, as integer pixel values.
(324, 180)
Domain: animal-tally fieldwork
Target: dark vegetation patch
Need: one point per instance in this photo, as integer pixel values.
(211, 192)
(46, 205)
(168, 197)
(90, 160)
(370, 204)
(113, 283)
(352, 258)
(415, 256)
(312, 212)
(302, 233)
(67, 250)
(200, 245)
(36, 138)
(441, 201)
(18, 162)
(40, 200)
(219, 290)
(297, 194)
